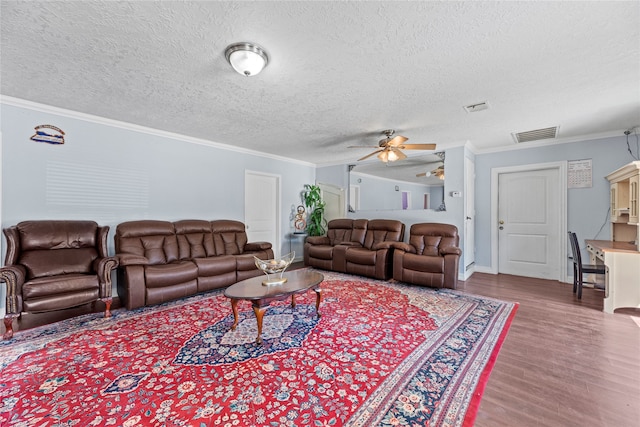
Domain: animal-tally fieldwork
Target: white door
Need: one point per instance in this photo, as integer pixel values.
(470, 214)
(529, 223)
(335, 201)
(262, 208)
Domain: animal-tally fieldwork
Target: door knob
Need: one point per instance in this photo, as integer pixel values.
(501, 222)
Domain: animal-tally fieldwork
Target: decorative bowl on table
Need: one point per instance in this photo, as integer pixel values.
(274, 268)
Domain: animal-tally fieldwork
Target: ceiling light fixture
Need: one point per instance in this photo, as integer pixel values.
(388, 156)
(246, 58)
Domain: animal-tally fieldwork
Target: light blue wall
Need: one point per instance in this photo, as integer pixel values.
(122, 174)
(587, 208)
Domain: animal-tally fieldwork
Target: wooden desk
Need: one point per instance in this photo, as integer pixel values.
(622, 261)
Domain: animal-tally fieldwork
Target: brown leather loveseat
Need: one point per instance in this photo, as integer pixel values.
(431, 257)
(54, 266)
(355, 246)
(162, 260)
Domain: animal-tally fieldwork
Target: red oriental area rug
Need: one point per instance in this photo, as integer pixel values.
(382, 354)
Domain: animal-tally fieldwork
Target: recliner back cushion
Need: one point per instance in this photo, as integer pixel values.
(229, 237)
(49, 248)
(53, 262)
(383, 230)
(195, 239)
(36, 235)
(431, 238)
(154, 240)
(426, 245)
(339, 230)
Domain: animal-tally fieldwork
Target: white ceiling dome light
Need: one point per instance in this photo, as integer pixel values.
(246, 58)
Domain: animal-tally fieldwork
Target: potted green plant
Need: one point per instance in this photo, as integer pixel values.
(312, 197)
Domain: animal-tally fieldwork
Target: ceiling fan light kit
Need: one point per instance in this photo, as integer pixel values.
(246, 58)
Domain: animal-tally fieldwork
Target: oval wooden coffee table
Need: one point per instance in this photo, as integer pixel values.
(260, 295)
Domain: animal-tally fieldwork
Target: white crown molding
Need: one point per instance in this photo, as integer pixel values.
(48, 109)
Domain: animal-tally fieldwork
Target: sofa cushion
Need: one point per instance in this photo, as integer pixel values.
(170, 274)
(213, 266)
(320, 252)
(432, 264)
(61, 301)
(57, 285)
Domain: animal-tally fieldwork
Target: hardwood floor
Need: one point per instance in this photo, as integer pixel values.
(564, 362)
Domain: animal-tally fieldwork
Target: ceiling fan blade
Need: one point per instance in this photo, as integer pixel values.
(418, 175)
(396, 140)
(363, 146)
(372, 154)
(418, 146)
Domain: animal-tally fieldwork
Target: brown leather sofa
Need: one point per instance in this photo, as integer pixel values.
(355, 246)
(52, 266)
(162, 260)
(430, 258)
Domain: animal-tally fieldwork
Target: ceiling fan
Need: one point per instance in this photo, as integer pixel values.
(437, 172)
(389, 148)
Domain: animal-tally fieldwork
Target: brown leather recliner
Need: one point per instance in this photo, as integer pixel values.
(55, 265)
(327, 252)
(355, 246)
(430, 258)
(374, 258)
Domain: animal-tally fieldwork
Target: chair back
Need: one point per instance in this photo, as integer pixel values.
(152, 239)
(383, 230)
(575, 249)
(50, 248)
(345, 230)
(430, 238)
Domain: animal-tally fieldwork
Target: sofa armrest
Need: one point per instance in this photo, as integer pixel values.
(387, 244)
(350, 244)
(318, 240)
(14, 276)
(103, 267)
(401, 246)
(450, 250)
(257, 246)
(131, 259)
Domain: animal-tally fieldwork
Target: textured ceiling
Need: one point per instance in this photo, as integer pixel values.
(339, 72)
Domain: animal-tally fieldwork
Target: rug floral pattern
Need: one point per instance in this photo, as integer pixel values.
(381, 354)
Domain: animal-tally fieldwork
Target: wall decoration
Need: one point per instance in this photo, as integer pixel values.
(52, 135)
(300, 223)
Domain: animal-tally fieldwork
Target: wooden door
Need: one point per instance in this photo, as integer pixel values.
(529, 223)
(262, 208)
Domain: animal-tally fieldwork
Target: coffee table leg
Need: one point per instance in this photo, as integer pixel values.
(293, 300)
(234, 307)
(318, 292)
(259, 311)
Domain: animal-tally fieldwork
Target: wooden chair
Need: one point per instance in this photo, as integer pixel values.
(580, 269)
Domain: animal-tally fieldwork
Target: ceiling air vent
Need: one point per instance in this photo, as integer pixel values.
(476, 107)
(536, 135)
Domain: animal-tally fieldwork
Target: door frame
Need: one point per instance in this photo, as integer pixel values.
(561, 210)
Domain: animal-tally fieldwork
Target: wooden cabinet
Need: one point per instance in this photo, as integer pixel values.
(634, 182)
(625, 223)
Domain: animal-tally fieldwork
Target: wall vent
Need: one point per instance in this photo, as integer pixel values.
(536, 135)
